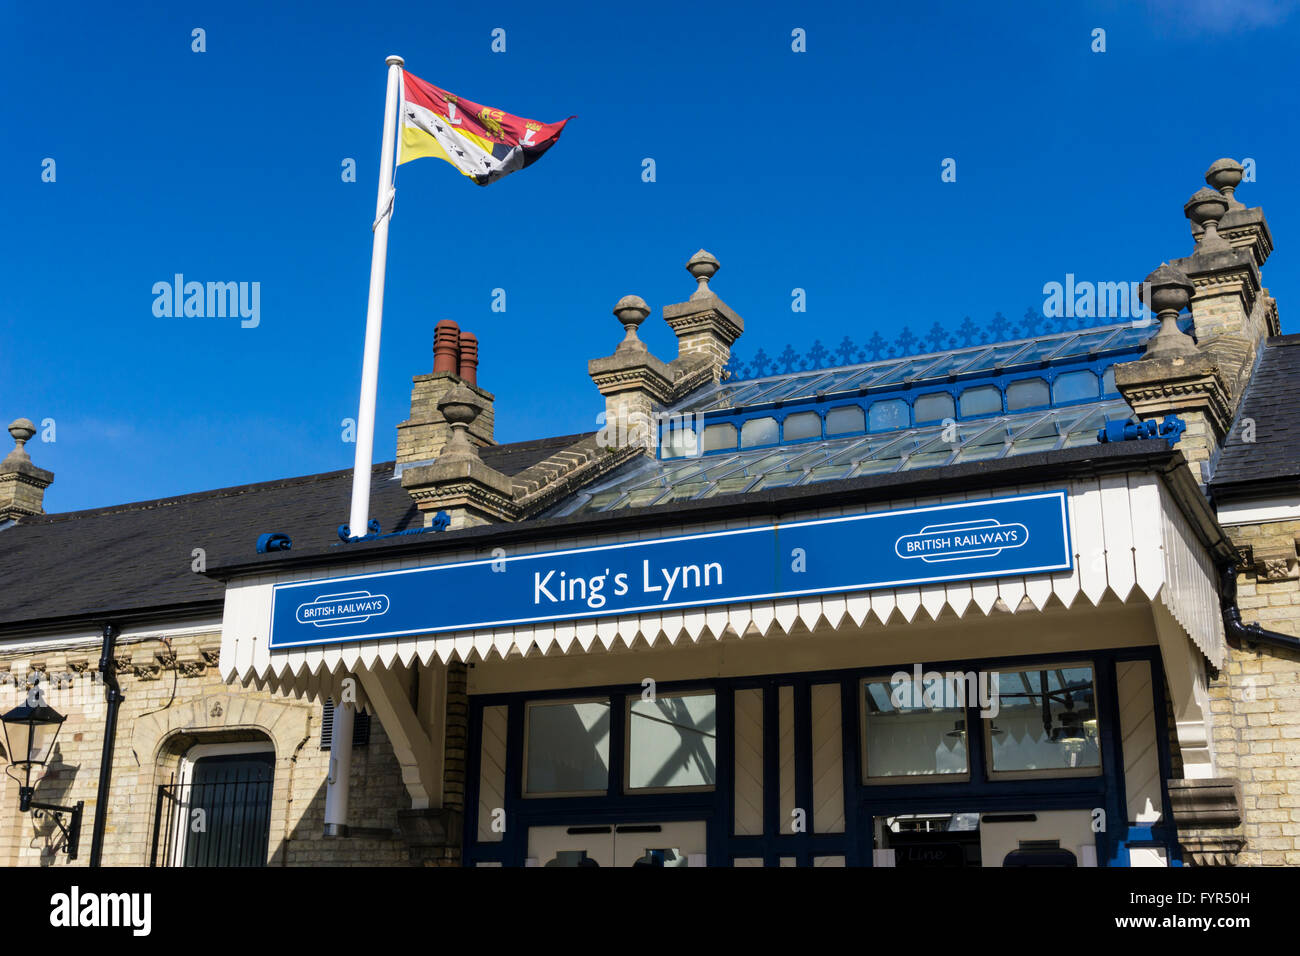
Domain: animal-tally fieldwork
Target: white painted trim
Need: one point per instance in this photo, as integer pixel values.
(1256, 510)
(1130, 542)
(75, 639)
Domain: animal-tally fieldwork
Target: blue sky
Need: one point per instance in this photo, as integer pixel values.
(816, 170)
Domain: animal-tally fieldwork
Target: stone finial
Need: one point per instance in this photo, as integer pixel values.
(1224, 175)
(703, 267)
(1206, 208)
(631, 310)
(1168, 291)
(22, 429)
(459, 407)
(22, 484)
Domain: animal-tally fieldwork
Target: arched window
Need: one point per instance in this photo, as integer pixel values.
(680, 442)
(846, 420)
(888, 414)
(1074, 387)
(983, 400)
(801, 425)
(719, 437)
(934, 407)
(1027, 393)
(759, 431)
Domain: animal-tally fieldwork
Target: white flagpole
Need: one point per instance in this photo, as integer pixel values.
(338, 788)
(360, 514)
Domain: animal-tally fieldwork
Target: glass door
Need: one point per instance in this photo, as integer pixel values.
(622, 844)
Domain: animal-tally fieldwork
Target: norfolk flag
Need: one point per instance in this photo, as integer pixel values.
(483, 143)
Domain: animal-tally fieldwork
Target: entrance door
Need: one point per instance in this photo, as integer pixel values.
(1056, 838)
(623, 844)
(223, 808)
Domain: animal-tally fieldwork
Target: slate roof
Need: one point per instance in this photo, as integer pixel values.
(1272, 400)
(138, 556)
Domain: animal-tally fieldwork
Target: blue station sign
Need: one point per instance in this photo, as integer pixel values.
(1025, 534)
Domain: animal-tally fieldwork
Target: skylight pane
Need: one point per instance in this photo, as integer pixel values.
(829, 472)
(869, 376)
(1040, 437)
(729, 486)
(900, 374)
(640, 498)
(778, 479)
(994, 357)
(688, 490)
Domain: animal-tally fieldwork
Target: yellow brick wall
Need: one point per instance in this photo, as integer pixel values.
(154, 730)
(1256, 706)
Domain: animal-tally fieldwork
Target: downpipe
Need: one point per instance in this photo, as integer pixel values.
(1235, 627)
(113, 696)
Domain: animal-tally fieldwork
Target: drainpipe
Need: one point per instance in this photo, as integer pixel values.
(113, 694)
(1232, 623)
(339, 781)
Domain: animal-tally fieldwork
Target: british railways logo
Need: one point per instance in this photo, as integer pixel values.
(962, 541)
(329, 610)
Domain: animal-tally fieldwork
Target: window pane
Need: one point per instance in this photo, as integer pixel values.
(758, 431)
(1108, 381)
(1059, 736)
(889, 414)
(802, 425)
(679, 443)
(717, 437)
(568, 747)
(934, 407)
(906, 737)
(1074, 387)
(849, 418)
(1027, 393)
(985, 400)
(671, 741)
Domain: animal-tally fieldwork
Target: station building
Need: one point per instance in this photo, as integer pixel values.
(1010, 601)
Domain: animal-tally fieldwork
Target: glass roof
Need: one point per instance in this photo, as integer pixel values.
(653, 481)
(971, 361)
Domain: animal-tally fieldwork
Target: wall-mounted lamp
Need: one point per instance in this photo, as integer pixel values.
(30, 732)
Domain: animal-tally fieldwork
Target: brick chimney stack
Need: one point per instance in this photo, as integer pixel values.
(423, 436)
(22, 484)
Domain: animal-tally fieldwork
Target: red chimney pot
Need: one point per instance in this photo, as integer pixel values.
(469, 357)
(446, 347)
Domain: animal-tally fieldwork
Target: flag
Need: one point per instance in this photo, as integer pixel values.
(483, 143)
